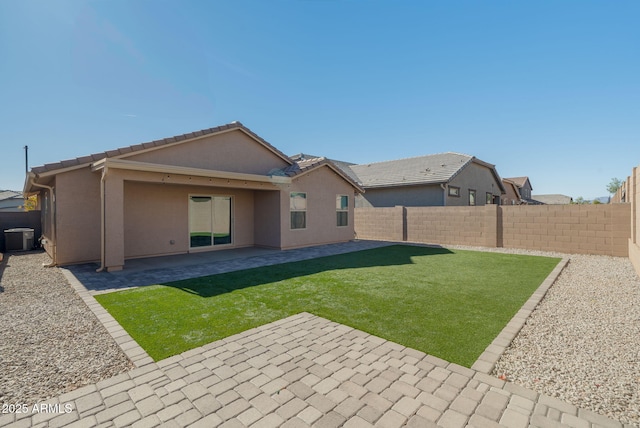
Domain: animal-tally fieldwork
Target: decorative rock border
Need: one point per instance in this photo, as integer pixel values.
(130, 347)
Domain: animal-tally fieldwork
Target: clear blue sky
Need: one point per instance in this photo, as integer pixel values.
(547, 89)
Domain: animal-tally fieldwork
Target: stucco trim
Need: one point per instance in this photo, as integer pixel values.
(180, 170)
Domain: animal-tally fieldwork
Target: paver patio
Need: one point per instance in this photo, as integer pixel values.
(297, 372)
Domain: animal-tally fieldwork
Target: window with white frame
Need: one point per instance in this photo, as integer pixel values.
(472, 197)
(342, 210)
(298, 209)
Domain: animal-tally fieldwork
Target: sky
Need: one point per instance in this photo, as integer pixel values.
(544, 89)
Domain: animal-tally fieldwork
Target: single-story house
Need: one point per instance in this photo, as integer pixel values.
(11, 201)
(553, 199)
(444, 179)
(214, 189)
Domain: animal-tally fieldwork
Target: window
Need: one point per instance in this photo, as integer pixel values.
(489, 199)
(342, 210)
(454, 191)
(472, 197)
(298, 208)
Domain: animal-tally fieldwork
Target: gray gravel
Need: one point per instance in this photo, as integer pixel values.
(50, 342)
(582, 343)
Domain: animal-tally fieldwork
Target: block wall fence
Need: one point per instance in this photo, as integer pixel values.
(585, 229)
(629, 193)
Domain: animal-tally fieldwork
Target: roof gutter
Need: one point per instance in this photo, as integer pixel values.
(31, 180)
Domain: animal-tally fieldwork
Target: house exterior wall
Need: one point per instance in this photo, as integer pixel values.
(409, 196)
(511, 197)
(476, 177)
(156, 214)
(232, 151)
(77, 216)
(267, 211)
(322, 186)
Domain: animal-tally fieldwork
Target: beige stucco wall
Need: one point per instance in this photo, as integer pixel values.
(77, 216)
(156, 214)
(231, 151)
(266, 216)
(510, 197)
(322, 185)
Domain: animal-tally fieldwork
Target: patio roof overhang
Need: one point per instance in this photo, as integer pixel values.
(185, 175)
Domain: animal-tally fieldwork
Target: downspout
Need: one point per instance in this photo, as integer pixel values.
(444, 194)
(102, 220)
(54, 257)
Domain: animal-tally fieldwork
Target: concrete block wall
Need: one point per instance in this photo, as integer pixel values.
(452, 225)
(583, 229)
(634, 240)
(586, 229)
(382, 224)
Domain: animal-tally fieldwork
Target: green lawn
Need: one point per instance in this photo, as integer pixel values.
(448, 303)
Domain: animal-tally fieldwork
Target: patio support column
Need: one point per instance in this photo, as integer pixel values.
(113, 227)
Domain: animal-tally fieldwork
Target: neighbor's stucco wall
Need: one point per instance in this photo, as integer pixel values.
(77, 216)
(475, 177)
(511, 197)
(231, 151)
(410, 196)
(322, 185)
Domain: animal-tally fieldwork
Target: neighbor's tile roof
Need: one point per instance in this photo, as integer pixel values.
(519, 181)
(10, 194)
(430, 169)
(151, 144)
(553, 199)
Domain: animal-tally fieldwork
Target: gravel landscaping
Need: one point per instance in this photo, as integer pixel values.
(50, 342)
(582, 343)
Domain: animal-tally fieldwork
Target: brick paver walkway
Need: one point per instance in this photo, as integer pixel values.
(301, 371)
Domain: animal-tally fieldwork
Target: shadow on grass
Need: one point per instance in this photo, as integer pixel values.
(214, 285)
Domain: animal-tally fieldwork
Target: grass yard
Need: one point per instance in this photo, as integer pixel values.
(448, 303)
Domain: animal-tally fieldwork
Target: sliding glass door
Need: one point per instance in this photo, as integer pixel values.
(209, 221)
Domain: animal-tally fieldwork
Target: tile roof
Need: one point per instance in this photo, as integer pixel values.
(10, 194)
(553, 199)
(519, 181)
(430, 169)
(306, 163)
(123, 151)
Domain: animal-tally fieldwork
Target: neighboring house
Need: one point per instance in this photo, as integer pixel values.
(11, 201)
(217, 188)
(450, 179)
(553, 199)
(512, 195)
(525, 188)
